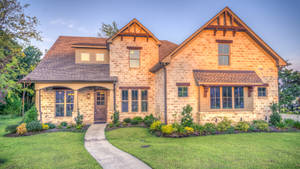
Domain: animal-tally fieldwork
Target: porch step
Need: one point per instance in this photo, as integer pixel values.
(99, 122)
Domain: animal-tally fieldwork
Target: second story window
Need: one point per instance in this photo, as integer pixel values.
(223, 50)
(99, 57)
(85, 57)
(134, 58)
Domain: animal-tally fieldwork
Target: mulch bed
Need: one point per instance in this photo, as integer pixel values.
(84, 128)
(127, 126)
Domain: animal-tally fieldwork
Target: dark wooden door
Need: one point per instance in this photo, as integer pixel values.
(100, 105)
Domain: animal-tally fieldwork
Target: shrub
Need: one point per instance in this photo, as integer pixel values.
(261, 125)
(224, 125)
(21, 129)
(134, 122)
(198, 128)
(117, 124)
(189, 130)
(79, 126)
(78, 119)
(210, 128)
(252, 128)
(51, 126)
(297, 125)
(34, 126)
(281, 125)
(11, 128)
(64, 124)
(230, 130)
(187, 119)
(148, 120)
(138, 119)
(110, 125)
(275, 116)
(155, 126)
(289, 122)
(242, 126)
(31, 115)
(124, 124)
(167, 129)
(45, 126)
(178, 128)
(127, 120)
(116, 117)
(60, 126)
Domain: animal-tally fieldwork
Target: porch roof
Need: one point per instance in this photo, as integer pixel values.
(227, 77)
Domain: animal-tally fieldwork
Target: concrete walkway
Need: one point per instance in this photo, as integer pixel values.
(108, 156)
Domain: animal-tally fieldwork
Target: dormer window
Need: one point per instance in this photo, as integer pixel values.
(85, 57)
(99, 57)
(223, 50)
(134, 58)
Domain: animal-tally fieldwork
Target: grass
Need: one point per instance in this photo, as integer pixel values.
(48, 150)
(249, 150)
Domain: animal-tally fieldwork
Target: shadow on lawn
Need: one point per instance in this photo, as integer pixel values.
(2, 161)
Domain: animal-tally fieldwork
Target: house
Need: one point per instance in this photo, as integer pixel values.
(222, 70)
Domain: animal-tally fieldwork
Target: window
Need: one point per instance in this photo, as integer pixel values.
(227, 97)
(124, 100)
(223, 50)
(215, 97)
(85, 57)
(134, 100)
(144, 100)
(238, 97)
(134, 58)
(262, 91)
(64, 103)
(182, 91)
(100, 57)
(100, 98)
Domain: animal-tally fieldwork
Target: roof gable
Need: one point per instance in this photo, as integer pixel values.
(134, 29)
(227, 21)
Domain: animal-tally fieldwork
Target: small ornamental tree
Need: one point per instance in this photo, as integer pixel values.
(275, 117)
(187, 119)
(116, 117)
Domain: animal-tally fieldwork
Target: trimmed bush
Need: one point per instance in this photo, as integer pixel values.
(281, 125)
(51, 125)
(289, 122)
(34, 126)
(261, 125)
(178, 128)
(187, 119)
(11, 128)
(148, 120)
(31, 115)
(230, 130)
(210, 128)
(167, 129)
(155, 126)
(224, 125)
(21, 129)
(134, 122)
(275, 116)
(64, 124)
(188, 130)
(45, 126)
(297, 125)
(138, 119)
(242, 126)
(198, 128)
(127, 120)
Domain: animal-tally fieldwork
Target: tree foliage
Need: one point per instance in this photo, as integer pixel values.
(15, 23)
(108, 30)
(289, 90)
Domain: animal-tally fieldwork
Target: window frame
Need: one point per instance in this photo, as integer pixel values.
(216, 98)
(99, 54)
(223, 54)
(239, 97)
(65, 103)
(124, 100)
(89, 57)
(134, 100)
(139, 59)
(144, 101)
(227, 98)
(181, 94)
(265, 92)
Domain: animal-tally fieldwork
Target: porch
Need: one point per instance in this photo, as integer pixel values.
(58, 102)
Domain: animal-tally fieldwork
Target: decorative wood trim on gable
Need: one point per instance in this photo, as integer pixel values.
(224, 41)
(134, 47)
(182, 84)
(133, 87)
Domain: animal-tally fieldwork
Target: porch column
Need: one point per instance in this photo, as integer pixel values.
(76, 107)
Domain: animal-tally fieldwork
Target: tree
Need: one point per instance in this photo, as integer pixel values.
(15, 24)
(108, 30)
(289, 89)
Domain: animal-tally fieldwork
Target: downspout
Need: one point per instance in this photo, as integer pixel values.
(114, 96)
(40, 106)
(165, 93)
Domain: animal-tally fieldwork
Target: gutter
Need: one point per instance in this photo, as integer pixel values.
(165, 94)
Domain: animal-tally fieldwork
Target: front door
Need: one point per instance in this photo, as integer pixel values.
(100, 105)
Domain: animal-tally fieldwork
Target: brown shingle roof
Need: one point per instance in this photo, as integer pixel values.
(166, 48)
(59, 63)
(218, 77)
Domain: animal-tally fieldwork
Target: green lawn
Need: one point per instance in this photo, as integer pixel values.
(251, 150)
(48, 150)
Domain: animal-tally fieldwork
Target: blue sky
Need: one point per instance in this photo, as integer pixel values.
(277, 22)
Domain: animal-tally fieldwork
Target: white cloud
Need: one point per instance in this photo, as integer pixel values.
(69, 24)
